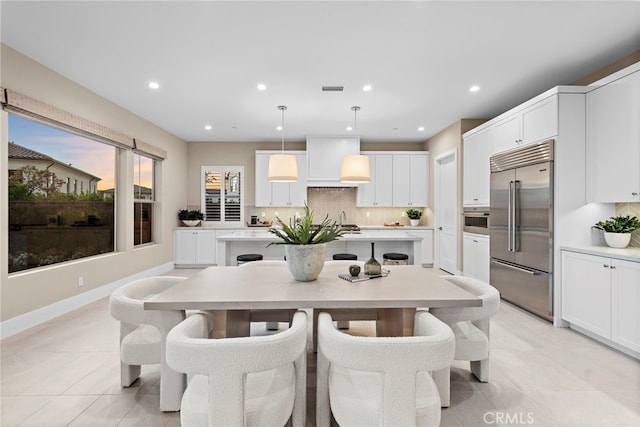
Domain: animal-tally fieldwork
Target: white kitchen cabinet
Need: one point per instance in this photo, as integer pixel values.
(531, 124)
(276, 194)
(411, 179)
(378, 192)
(426, 246)
(476, 170)
(613, 141)
(194, 248)
(324, 159)
(475, 256)
(602, 295)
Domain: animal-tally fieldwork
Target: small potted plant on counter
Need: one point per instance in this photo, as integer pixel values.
(414, 216)
(190, 218)
(305, 243)
(618, 229)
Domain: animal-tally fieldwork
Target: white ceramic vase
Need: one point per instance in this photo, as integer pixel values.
(617, 240)
(191, 222)
(414, 222)
(305, 262)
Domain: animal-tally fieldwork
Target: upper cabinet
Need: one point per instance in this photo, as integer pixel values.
(534, 123)
(613, 141)
(377, 193)
(411, 179)
(324, 159)
(276, 194)
(476, 170)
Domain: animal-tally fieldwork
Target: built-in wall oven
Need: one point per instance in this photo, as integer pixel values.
(476, 220)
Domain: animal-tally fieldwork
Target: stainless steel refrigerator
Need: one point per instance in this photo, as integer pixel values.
(521, 227)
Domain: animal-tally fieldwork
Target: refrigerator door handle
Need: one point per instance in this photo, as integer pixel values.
(514, 220)
(523, 270)
(509, 224)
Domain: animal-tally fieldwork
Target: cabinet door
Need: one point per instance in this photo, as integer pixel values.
(625, 304)
(401, 180)
(383, 180)
(476, 170)
(426, 246)
(367, 192)
(184, 246)
(205, 247)
(506, 134)
(475, 256)
(540, 121)
(419, 180)
(613, 135)
(586, 292)
(298, 189)
(263, 186)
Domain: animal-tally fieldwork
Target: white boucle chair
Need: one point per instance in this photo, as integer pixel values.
(471, 328)
(271, 316)
(381, 381)
(143, 333)
(246, 381)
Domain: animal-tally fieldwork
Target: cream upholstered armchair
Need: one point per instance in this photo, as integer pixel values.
(246, 381)
(471, 328)
(381, 381)
(143, 333)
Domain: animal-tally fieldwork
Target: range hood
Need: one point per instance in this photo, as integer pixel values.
(324, 159)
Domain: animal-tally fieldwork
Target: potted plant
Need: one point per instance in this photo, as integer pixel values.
(617, 230)
(305, 243)
(190, 218)
(414, 216)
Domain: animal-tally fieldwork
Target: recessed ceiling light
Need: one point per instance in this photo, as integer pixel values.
(208, 127)
(154, 85)
(421, 128)
(349, 128)
(474, 88)
(278, 127)
(261, 87)
(367, 88)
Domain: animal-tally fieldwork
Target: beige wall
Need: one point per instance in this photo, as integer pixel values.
(446, 140)
(26, 291)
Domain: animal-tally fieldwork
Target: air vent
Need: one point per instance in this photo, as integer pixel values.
(332, 88)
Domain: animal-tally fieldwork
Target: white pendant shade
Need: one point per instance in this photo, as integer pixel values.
(355, 169)
(283, 168)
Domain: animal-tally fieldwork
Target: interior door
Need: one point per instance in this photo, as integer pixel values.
(500, 222)
(446, 212)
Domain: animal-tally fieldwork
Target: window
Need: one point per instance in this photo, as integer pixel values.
(144, 199)
(49, 221)
(222, 194)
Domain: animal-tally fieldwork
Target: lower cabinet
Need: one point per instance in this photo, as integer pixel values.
(602, 296)
(475, 256)
(194, 248)
(426, 247)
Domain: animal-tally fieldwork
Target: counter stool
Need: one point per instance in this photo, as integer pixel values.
(242, 258)
(347, 257)
(393, 258)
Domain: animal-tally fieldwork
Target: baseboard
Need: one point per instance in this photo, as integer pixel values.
(33, 318)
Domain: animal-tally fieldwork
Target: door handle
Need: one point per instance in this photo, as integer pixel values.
(514, 221)
(513, 267)
(440, 228)
(509, 216)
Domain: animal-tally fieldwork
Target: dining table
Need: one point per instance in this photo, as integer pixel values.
(237, 291)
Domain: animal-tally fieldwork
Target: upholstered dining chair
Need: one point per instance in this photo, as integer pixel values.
(143, 333)
(246, 381)
(471, 328)
(271, 316)
(381, 381)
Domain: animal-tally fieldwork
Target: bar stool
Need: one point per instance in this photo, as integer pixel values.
(393, 258)
(242, 258)
(345, 257)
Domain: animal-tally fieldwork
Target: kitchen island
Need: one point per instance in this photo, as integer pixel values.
(231, 244)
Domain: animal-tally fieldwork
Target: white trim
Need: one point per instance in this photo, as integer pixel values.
(33, 318)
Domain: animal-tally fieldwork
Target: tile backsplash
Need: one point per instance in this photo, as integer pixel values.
(333, 201)
(632, 209)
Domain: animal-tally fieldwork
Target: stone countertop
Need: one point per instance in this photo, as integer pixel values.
(627, 254)
(365, 235)
(264, 228)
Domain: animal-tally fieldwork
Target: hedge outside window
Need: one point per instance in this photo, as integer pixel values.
(61, 195)
(144, 199)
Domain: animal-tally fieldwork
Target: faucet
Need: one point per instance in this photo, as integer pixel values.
(343, 215)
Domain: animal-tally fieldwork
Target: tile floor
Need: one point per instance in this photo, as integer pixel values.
(66, 372)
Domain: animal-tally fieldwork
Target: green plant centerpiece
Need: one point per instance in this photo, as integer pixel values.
(414, 216)
(305, 243)
(618, 229)
(190, 217)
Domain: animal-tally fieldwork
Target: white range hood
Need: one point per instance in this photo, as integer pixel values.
(324, 159)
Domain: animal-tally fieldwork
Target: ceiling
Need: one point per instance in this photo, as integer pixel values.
(420, 57)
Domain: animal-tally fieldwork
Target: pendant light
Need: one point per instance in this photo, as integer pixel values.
(355, 168)
(283, 167)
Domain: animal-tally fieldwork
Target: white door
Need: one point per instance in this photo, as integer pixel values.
(446, 212)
